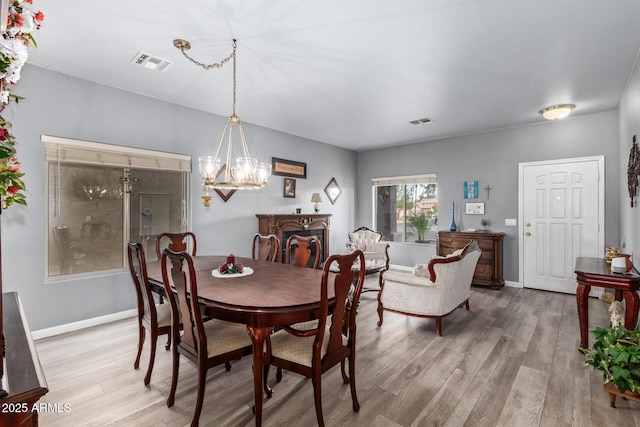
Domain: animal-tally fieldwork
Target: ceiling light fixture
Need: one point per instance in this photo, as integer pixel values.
(556, 112)
(217, 171)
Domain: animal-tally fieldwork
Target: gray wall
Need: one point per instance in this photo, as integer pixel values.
(492, 158)
(64, 106)
(629, 126)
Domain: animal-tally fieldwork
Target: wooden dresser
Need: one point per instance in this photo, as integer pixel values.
(489, 269)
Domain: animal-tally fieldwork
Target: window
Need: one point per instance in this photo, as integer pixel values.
(100, 196)
(406, 208)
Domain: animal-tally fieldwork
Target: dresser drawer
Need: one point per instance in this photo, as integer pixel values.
(489, 268)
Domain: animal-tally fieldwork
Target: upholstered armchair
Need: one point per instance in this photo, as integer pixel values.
(432, 290)
(371, 244)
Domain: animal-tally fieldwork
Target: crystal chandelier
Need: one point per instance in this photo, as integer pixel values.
(218, 171)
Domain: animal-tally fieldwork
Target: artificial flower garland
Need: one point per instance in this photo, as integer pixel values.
(14, 43)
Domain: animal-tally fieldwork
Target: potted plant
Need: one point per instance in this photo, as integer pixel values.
(420, 221)
(615, 352)
(484, 222)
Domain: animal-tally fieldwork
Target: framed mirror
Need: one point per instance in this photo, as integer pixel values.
(333, 190)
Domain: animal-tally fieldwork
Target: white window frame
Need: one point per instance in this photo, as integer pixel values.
(68, 150)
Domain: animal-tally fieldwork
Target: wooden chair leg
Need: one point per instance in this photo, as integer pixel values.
(174, 377)
(279, 375)
(265, 376)
(352, 381)
(152, 357)
(167, 346)
(380, 311)
(141, 330)
(345, 378)
(202, 374)
(317, 394)
(467, 305)
(227, 366)
(439, 326)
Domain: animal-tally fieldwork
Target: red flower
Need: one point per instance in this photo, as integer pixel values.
(39, 16)
(18, 21)
(16, 170)
(28, 1)
(3, 134)
(12, 190)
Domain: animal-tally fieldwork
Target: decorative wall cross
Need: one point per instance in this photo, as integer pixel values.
(488, 188)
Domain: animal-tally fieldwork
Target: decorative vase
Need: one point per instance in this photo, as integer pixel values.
(453, 226)
(629, 263)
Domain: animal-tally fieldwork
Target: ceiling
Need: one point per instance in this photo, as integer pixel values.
(355, 73)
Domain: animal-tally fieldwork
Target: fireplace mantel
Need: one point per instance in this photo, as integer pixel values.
(282, 225)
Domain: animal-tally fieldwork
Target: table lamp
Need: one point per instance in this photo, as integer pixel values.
(315, 198)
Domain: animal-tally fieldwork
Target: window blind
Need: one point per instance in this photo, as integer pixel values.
(402, 180)
(69, 150)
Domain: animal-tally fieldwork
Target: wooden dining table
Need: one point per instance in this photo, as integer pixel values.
(274, 294)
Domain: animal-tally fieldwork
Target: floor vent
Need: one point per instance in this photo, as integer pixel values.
(151, 62)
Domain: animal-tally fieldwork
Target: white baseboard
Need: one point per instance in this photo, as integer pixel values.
(82, 324)
(511, 284)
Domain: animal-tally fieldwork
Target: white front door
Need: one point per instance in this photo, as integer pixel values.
(561, 218)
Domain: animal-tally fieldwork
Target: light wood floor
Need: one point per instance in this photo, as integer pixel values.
(511, 361)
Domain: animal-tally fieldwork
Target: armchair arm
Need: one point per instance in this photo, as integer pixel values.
(440, 260)
(407, 278)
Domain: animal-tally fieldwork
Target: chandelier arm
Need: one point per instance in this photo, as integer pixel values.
(224, 132)
(229, 153)
(245, 147)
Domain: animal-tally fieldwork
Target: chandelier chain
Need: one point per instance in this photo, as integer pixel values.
(213, 65)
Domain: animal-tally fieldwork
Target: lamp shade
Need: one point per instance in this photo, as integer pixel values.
(556, 112)
(315, 197)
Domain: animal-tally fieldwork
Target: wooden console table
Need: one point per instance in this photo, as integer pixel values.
(285, 225)
(596, 272)
(489, 269)
(24, 377)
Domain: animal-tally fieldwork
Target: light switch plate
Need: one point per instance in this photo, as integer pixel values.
(511, 222)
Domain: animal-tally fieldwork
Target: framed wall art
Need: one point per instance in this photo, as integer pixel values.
(333, 190)
(471, 189)
(290, 188)
(290, 168)
(474, 208)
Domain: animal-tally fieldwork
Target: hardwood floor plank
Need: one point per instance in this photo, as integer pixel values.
(526, 397)
(511, 360)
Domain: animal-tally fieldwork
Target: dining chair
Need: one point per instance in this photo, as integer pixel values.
(205, 343)
(312, 352)
(176, 242)
(151, 316)
(301, 248)
(265, 247)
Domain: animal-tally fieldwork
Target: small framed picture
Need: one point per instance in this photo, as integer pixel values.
(475, 208)
(471, 189)
(290, 188)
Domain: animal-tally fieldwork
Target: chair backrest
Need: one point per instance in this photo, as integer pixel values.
(138, 269)
(363, 238)
(347, 293)
(176, 242)
(265, 247)
(301, 248)
(456, 269)
(178, 273)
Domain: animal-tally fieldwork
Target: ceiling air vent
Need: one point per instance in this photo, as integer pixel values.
(151, 62)
(421, 121)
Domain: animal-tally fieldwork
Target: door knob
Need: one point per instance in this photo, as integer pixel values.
(527, 234)
(528, 224)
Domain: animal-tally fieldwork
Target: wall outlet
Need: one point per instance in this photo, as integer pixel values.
(511, 222)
